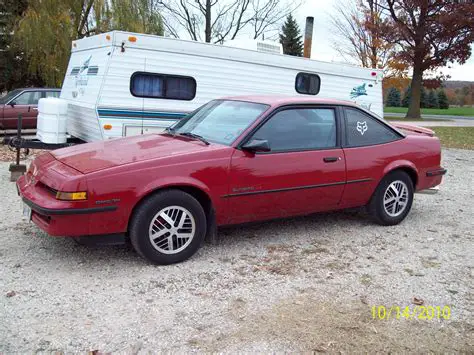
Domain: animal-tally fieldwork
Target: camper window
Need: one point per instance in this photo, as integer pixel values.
(162, 86)
(307, 84)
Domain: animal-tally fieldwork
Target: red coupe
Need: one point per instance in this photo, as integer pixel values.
(231, 161)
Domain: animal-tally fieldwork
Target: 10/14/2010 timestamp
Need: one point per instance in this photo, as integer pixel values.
(417, 312)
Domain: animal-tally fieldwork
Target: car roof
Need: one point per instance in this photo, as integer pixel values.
(281, 100)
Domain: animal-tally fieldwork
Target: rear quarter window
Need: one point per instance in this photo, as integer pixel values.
(363, 130)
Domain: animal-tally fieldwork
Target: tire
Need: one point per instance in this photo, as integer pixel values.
(385, 206)
(160, 218)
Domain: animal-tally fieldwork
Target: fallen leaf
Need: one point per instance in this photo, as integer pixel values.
(11, 293)
(418, 301)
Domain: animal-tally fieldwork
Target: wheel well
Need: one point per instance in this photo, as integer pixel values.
(197, 193)
(411, 173)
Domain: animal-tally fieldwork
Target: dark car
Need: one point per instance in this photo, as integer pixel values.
(24, 101)
(232, 161)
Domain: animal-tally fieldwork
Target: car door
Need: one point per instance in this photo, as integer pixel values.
(304, 172)
(25, 104)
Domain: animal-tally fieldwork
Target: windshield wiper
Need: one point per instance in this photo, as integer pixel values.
(195, 136)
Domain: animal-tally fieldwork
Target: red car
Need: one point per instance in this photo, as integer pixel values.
(231, 161)
(24, 101)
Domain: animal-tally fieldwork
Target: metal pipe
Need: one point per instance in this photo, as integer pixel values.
(18, 136)
(308, 37)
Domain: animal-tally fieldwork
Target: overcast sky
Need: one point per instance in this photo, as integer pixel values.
(322, 38)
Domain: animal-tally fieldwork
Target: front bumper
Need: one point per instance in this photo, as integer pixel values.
(66, 211)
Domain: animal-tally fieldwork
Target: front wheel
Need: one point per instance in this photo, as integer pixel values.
(392, 199)
(168, 227)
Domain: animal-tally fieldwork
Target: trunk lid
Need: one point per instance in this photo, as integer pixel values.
(414, 130)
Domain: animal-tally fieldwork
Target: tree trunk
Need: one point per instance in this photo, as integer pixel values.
(416, 82)
(208, 21)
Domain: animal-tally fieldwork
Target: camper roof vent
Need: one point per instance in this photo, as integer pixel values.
(269, 47)
(256, 45)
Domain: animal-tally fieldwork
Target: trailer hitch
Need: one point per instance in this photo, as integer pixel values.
(19, 143)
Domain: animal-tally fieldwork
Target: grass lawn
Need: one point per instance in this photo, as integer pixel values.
(455, 137)
(454, 111)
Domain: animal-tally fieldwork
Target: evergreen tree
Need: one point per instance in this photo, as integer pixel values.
(393, 97)
(423, 97)
(290, 37)
(443, 99)
(432, 101)
(406, 97)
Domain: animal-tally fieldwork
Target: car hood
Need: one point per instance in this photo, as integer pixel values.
(91, 157)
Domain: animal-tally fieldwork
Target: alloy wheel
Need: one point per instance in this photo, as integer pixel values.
(172, 229)
(395, 198)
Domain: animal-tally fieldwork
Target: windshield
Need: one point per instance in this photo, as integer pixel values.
(4, 99)
(220, 121)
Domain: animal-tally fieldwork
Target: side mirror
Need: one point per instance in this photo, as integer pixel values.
(12, 103)
(257, 145)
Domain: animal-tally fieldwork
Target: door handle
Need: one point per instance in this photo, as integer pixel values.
(35, 108)
(331, 159)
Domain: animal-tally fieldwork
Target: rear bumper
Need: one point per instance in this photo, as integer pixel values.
(437, 172)
(431, 191)
(433, 178)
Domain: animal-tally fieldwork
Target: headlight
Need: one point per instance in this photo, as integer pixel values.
(71, 196)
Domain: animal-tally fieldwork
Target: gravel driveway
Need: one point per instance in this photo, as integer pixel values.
(304, 284)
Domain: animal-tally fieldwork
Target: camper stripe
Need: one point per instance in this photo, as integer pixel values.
(137, 118)
(104, 113)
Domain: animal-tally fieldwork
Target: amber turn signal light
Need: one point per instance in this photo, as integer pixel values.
(107, 127)
(132, 38)
(71, 196)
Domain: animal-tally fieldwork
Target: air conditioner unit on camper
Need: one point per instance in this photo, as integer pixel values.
(256, 45)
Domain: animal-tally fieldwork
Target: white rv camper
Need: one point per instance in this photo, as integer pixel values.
(120, 84)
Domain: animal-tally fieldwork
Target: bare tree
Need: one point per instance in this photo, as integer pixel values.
(361, 33)
(218, 20)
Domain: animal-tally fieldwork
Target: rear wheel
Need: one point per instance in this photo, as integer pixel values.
(168, 227)
(392, 199)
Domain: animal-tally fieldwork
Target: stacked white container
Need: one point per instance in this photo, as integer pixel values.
(52, 118)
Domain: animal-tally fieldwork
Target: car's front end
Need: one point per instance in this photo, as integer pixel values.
(56, 197)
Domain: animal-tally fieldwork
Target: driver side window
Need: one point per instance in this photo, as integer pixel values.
(28, 98)
(300, 129)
